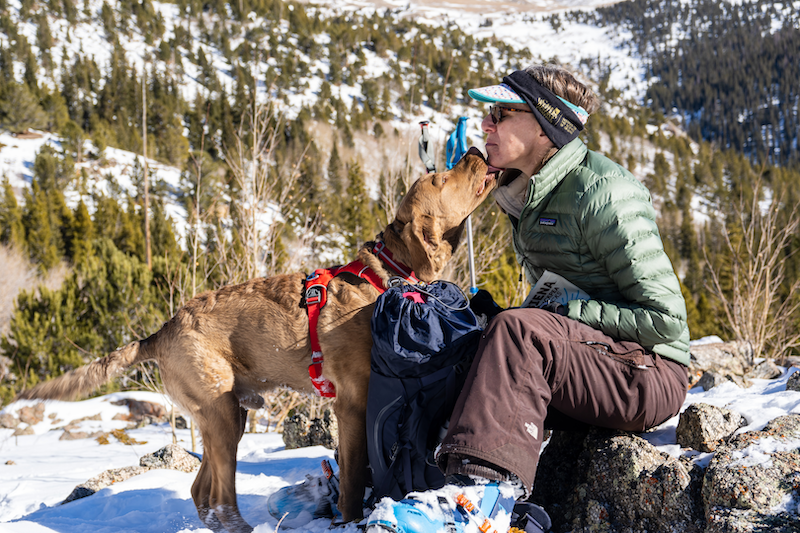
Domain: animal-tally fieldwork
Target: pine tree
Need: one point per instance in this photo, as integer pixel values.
(12, 231)
(131, 236)
(62, 222)
(358, 219)
(31, 68)
(83, 235)
(38, 231)
(44, 37)
(335, 172)
(164, 242)
(45, 169)
(108, 301)
(107, 217)
(73, 139)
(308, 183)
(20, 110)
(55, 108)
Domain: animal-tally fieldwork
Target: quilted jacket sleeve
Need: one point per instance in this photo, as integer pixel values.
(618, 223)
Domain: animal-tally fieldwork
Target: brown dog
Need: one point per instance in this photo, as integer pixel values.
(226, 347)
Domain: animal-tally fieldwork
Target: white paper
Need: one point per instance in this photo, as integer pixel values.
(552, 288)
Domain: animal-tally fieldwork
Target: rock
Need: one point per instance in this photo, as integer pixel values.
(793, 383)
(109, 477)
(764, 370)
(711, 379)
(8, 421)
(757, 470)
(144, 413)
(75, 424)
(324, 431)
(702, 426)
(27, 430)
(722, 357)
(32, 415)
(181, 423)
(616, 482)
(72, 434)
(789, 361)
(300, 432)
(722, 520)
(172, 457)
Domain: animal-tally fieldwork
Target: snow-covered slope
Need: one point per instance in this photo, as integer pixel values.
(38, 471)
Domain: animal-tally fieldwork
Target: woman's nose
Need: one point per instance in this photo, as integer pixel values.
(487, 125)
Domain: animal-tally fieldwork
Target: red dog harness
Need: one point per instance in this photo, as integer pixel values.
(316, 296)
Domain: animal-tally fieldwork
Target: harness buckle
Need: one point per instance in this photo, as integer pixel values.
(313, 295)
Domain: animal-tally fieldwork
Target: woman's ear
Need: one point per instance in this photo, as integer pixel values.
(429, 253)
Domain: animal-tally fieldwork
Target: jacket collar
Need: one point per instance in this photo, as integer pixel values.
(554, 171)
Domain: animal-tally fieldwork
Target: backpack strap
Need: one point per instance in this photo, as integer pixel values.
(400, 455)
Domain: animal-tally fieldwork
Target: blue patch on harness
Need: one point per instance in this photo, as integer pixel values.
(547, 221)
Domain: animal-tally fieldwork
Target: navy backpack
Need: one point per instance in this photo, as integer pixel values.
(424, 338)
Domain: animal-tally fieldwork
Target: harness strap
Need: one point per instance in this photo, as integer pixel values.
(386, 256)
(316, 296)
(358, 268)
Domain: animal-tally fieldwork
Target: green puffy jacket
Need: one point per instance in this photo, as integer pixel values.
(592, 222)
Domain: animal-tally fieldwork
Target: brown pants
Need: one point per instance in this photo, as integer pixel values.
(535, 369)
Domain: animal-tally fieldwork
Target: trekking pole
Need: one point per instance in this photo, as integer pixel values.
(426, 147)
(456, 148)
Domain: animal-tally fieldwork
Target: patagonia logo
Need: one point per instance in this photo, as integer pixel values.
(547, 221)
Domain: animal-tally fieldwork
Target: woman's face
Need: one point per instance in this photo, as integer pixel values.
(517, 141)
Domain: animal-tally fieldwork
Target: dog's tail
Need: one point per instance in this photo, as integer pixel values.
(86, 378)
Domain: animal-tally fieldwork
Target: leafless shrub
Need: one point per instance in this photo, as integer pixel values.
(19, 274)
(266, 191)
(753, 295)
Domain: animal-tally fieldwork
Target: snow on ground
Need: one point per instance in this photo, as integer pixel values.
(46, 469)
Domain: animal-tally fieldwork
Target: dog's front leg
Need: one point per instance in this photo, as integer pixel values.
(352, 418)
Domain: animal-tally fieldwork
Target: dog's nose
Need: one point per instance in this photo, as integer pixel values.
(475, 151)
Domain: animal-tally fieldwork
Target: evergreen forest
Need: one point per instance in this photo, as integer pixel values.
(716, 135)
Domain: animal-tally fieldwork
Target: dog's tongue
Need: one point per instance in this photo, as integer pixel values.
(492, 170)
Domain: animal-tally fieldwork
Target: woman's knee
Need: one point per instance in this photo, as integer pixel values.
(524, 322)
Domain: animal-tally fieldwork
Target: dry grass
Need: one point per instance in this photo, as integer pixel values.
(20, 275)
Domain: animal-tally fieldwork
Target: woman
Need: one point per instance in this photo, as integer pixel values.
(616, 360)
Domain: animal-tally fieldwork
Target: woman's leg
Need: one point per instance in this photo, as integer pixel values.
(530, 360)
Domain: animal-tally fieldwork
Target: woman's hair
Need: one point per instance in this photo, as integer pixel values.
(561, 82)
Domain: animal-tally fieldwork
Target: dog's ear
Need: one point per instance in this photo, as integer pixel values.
(428, 251)
(453, 236)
